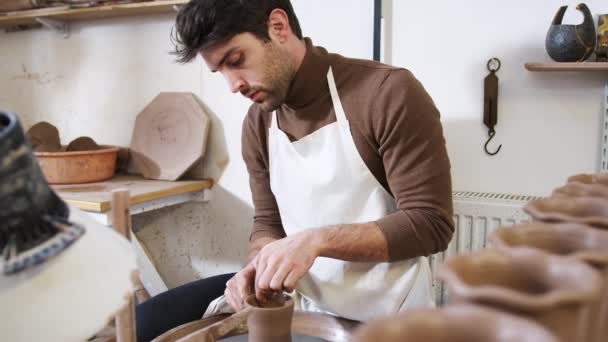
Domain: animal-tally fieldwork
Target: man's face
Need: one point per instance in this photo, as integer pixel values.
(261, 71)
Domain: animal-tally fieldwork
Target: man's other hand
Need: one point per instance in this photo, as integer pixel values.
(240, 286)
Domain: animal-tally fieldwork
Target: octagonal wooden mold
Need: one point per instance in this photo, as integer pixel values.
(170, 136)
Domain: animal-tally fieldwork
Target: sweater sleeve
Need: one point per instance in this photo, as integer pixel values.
(408, 131)
(266, 220)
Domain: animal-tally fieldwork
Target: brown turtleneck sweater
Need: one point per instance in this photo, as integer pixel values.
(396, 128)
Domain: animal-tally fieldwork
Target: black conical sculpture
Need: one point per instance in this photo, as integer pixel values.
(571, 43)
(33, 220)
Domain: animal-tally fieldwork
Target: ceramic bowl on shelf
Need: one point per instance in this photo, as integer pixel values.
(78, 166)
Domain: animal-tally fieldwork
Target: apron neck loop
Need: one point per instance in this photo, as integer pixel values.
(340, 116)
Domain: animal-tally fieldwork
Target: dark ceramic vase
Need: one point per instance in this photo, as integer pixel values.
(33, 225)
(571, 43)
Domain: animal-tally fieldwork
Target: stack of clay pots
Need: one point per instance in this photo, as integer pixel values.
(545, 280)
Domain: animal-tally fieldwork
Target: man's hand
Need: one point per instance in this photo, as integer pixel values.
(282, 263)
(240, 286)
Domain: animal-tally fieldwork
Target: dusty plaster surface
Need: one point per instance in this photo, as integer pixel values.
(197, 240)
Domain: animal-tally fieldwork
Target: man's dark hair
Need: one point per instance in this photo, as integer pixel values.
(204, 23)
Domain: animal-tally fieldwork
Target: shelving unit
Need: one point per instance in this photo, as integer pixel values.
(58, 18)
(145, 195)
(588, 67)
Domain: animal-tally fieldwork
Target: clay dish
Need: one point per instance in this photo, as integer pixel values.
(44, 137)
(568, 239)
(527, 282)
(590, 178)
(82, 144)
(586, 210)
(457, 323)
(578, 189)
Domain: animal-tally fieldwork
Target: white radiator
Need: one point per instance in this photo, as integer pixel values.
(476, 215)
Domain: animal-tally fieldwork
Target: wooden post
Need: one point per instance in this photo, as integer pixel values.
(121, 221)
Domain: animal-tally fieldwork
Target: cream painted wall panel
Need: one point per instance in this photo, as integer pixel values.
(547, 123)
(95, 82)
(341, 26)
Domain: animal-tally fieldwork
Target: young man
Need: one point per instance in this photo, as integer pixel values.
(347, 166)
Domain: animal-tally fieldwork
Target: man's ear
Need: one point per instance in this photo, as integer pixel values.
(278, 25)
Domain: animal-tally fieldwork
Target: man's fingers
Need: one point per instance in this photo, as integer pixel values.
(263, 280)
(276, 283)
(292, 278)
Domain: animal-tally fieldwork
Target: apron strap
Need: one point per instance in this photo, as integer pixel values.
(273, 121)
(340, 116)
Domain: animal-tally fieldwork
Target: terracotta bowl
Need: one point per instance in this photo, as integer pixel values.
(78, 166)
(457, 323)
(579, 189)
(590, 210)
(527, 282)
(568, 239)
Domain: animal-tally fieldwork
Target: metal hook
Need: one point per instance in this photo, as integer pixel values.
(491, 133)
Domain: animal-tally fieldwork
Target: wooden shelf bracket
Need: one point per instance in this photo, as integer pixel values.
(60, 27)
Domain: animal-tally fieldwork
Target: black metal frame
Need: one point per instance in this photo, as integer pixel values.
(377, 28)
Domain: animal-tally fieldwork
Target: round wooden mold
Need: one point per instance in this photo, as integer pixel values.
(170, 136)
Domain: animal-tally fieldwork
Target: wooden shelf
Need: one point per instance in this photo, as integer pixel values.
(96, 197)
(66, 14)
(580, 67)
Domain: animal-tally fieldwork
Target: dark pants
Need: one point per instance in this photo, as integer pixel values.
(177, 306)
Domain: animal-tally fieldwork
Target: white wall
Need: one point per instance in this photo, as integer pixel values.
(95, 83)
(548, 123)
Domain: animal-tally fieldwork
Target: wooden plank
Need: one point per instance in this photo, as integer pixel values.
(98, 12)
(583, 66)
(96, 197)
(125, 319)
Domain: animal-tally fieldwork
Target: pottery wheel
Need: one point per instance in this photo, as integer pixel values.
(294, 338)
(306, 327)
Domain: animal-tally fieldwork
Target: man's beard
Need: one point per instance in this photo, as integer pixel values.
(279, 71)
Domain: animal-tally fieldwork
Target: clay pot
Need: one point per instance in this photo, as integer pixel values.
(529, 283)
(578, 189)
(568, 239)
(582, 209)
(457, 323)
(590, 178)
(571, 43)
(271, 323)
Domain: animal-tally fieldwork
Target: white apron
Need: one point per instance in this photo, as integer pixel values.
(321, 180)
